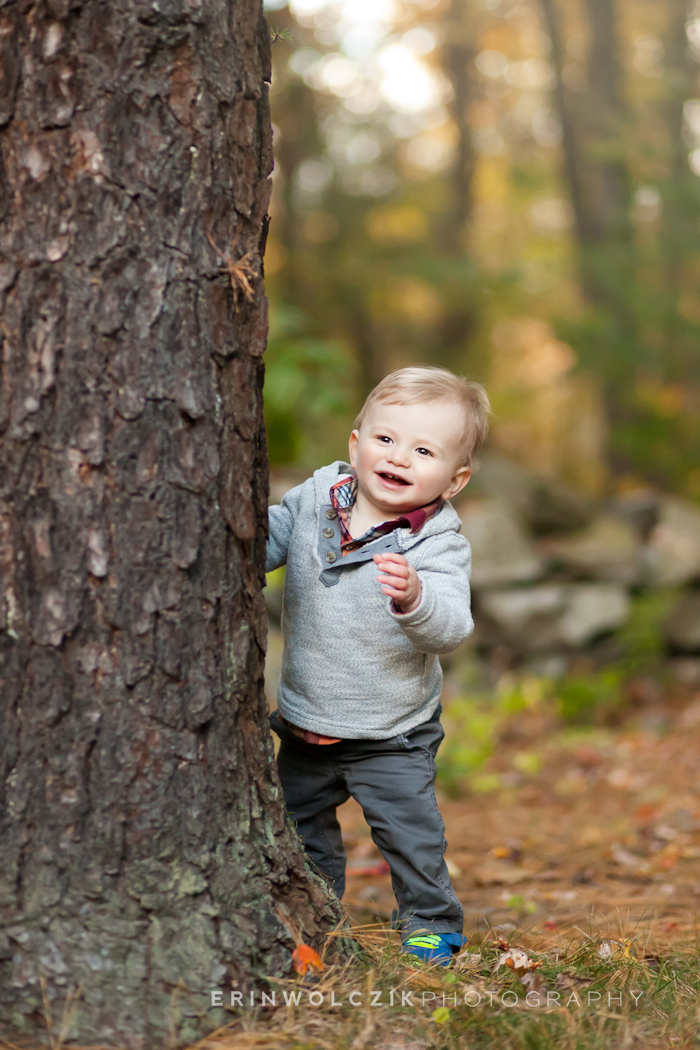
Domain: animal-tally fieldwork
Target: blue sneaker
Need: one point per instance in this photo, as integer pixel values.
(437, 948)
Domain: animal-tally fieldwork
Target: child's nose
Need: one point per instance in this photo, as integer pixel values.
(398, 456)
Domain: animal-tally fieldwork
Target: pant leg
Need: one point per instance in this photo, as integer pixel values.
(395, 785)
(312, 792)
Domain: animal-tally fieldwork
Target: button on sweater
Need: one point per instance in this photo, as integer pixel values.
(352, 667)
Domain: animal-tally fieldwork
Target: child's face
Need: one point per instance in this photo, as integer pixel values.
(407, 455)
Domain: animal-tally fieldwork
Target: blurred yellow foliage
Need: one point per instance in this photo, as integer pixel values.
(320, 226)
(400, 225)
(415, 300)
(549, 417)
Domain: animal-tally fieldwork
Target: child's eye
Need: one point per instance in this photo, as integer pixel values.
(384, 438)
(424, 451)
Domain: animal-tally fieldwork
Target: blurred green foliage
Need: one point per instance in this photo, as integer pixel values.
(470, 734)
(581, 699)
(307, 380)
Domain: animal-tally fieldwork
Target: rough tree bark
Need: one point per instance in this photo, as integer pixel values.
(143, 843)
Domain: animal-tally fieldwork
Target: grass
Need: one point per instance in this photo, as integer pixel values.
(588, 995)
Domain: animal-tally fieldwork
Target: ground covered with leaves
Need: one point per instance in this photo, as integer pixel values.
(575, 851)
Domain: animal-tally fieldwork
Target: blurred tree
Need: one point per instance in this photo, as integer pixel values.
(462, 25)
(594, 123)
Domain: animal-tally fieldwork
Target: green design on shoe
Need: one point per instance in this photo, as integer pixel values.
(430, 940)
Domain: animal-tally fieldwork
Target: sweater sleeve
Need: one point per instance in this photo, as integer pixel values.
(442, 619)
(281, 519)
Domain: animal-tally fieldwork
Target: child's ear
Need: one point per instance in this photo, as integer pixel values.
(459, 480)
(352, 447)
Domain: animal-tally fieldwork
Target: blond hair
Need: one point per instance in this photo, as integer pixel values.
(428, 384)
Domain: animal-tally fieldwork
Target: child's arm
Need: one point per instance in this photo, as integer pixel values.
(435, 591)
(281, 520)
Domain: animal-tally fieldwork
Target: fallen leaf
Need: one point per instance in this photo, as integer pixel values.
(625, 779)
(626, 859)
(533, 981)
(590, 835)
(500, 874)
(665, 832)
(587, 757)
(518, 960)
(623, 949)
(453, 870)
(549, 924)
(382, 868)
(511, 850)
(304, 956)
(645, 812)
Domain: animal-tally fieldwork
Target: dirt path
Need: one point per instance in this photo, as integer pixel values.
(603, 840)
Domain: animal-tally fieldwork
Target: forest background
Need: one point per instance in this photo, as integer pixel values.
(510, 188)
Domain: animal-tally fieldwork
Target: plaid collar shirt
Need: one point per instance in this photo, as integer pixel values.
(343, 495)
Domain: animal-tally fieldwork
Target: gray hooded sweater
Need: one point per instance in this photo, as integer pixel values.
(352, 667)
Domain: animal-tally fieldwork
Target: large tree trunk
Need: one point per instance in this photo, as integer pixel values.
(143, 843)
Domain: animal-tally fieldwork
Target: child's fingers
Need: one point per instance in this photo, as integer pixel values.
(398, 559)
(393, 581)
(393, 568)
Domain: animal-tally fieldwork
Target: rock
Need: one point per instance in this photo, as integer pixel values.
(592, 610)
(544, 504)
(640, 508)
(674, 544)
(552, 616)
(502, 552)
(607, 549)
(686, 671)
(682, 628)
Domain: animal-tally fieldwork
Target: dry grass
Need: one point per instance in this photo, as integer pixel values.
(601, 995)
(586, 994)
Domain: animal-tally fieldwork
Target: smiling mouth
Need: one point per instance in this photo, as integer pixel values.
(393, 479)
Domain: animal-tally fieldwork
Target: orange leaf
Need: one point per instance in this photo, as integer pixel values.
(382, 868)
(304, 956)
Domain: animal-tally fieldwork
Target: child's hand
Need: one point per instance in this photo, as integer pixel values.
(400, 581)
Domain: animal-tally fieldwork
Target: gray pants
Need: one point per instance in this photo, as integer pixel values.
(394, 782)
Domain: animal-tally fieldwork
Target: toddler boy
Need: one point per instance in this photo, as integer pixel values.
(377, 584)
